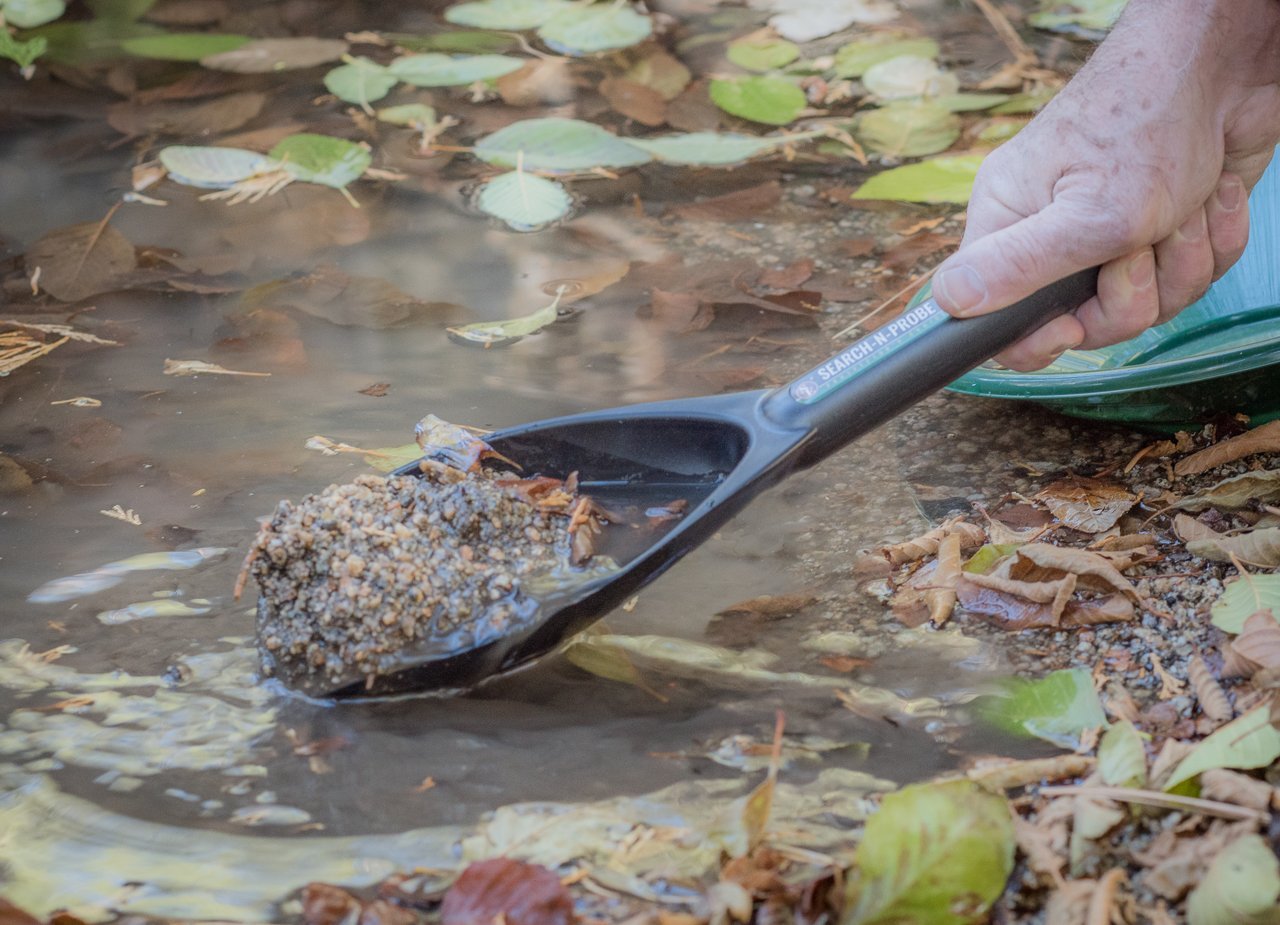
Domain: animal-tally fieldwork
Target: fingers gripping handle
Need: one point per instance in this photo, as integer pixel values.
(911, 357)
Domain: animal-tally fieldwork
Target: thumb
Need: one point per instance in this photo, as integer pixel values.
(1004, 266)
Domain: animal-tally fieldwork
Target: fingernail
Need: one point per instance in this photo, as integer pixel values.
(961, 288)
(1230, 194)
(1194, 228)
(1142, 270)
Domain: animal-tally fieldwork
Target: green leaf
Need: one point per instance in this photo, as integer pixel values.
(762, 55)
(1056, 708)
(464, 41)
(1122, 756)
(511, 15)
(1246, 742)
(908, 76)
(1243, 597)
(711, 149)
(941, 179)
(969, 102)
(92, 40)
(557, 146)
(27, 14)
(1241, 886)
(771, 100)
(985, 559)
(907, 129)
(182, 46)
(585, 30)
(501, 333)
(525, 201)
(414, 115)
(438, 70)
(997, 131)
(23, 54)
(1091, 16)
(360, 81)
(322, 159)
(213, 168)
(852, 60)
(934, 854)
(1022, 103)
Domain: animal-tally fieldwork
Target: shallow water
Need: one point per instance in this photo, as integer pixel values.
(187, 737)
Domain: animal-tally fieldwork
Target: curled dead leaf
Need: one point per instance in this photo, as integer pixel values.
(1259, 643)
(927, 543)
(502, 889)
(1213, 700)
(1088, 505)
(1264, 439)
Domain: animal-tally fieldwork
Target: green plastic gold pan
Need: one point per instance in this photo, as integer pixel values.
(718, 453)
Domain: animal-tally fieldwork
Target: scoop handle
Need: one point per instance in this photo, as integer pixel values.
(906, 360)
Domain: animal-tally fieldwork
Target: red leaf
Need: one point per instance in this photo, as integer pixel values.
(12, 915)
(519, 893)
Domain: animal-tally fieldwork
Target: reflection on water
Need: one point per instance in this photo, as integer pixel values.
(146, 726)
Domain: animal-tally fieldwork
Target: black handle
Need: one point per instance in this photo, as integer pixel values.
(906, 360)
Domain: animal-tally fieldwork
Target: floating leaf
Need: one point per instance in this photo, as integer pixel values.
(712, 149)
(524, 201)
(806, 20)
(81, 260)
(771, 100)
(1122, 756)
(1090, 16)
(934, 854)
(266, 56)
(414, 115)
(1243, 597)
(941, 179)
(557, 146)
(360, 81)
(492, 333)
(1056, 708)
(852, 60)
(322, 159)
(438, 70)
(182, 46)
(762, 54)
(1247, 742)
(580, 30)
(908, 76)
(27, 14)
(513, 15)
(907, 129)
(23, 54)
(200, 368)
(212, 167)
(1241, 886)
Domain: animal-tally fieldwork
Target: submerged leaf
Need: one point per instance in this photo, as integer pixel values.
(182, 46)
(1056, 708)
(585, 30)
(267, 56)
(942, 179)
(853, 59)
(771, 100)
(908, 76)
(413, 115)
(762, 54)
(1242, 598)
(438, 70)
(513, 15)
(524, 201)
(907, 129)
(557, 146)
(27, 14)
(1249, 741)
(322, 159)
(360, 81)
(712, 149)
(1241, 886)
(111, 574)
(81, 260)
(934, 854)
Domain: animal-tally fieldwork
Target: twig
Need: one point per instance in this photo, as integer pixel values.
(1006, 32)
(915, 283)
(1163, 800)
(1104, 897)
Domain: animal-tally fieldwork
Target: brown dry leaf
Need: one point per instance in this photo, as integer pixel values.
(1189, 529)
(1233, 787)
(738, 206)
(662, 72)
(794, 274)
(859, 246)
(681, 312)
(200, 367)
(1170, 686)
(315, 221)
(80, 261)
(1087, 505)
(351, 301)
(634, 100)
(693, 111)
(544, 82)
(909, 252)
(772, 606)
(267, 56)
(377, 390)
(505, 890)
(1012, 604)
(1259, 548)
(1236, 492)
(1093, 569)
(197, 120)
(1259, 642)
(1069, 905)
(941, 595)
(12, 915)
(1010, 773)
(927, 543)
(1044, 847)
(1264, 439)
(1213, 700)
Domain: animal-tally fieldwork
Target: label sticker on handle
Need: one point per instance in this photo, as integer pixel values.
(860, 356)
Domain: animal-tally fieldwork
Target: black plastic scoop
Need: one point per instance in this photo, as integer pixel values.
(719, 453)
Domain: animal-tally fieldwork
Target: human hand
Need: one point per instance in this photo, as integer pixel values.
(1141, 165)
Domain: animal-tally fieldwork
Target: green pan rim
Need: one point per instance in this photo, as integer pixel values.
(1119, 380)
